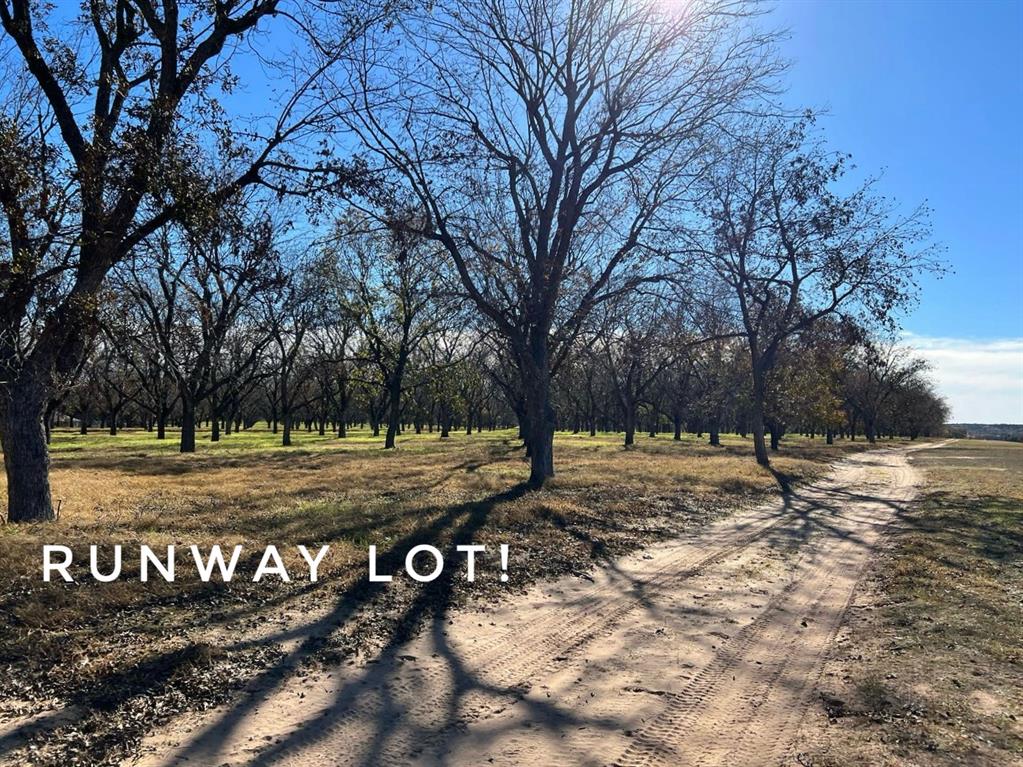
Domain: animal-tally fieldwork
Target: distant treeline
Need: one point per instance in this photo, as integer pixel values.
(1011, 432)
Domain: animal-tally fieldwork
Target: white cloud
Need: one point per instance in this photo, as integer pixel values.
(982, 380)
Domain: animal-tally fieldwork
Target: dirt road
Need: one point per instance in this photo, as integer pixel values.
(701, 651)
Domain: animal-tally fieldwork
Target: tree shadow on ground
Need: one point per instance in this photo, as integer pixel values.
(427, 605)
(393, 726)
(461, 524)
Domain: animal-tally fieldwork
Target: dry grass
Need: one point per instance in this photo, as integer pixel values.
(933, 673)
(131, 654)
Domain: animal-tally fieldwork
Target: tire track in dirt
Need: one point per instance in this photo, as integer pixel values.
(570, 628)
(744, 706)
(668, 740)
(402, 711)
(511, 669)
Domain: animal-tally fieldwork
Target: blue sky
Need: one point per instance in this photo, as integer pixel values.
(932, 94)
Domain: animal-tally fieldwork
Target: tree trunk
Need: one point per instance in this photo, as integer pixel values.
(187, 425)
(524, 435)
(161, 423)
(286, 421)
(394, 403)
(540, 415)
(630, 429)
(392, 428)
(541, 440)
(541, 459)
(715, 433)
(519, 408)
(757, 417)
(26, 459)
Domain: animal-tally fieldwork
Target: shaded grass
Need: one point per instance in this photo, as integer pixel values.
(934, 674)
(132, 654)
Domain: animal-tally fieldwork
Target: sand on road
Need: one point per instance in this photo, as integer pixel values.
(700, 651)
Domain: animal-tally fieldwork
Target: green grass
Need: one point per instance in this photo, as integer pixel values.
(69, 443)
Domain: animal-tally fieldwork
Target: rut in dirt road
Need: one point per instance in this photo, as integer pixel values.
(699, 651)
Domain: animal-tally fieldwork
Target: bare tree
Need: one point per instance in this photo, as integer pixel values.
(115, 382)
(289, 314)
(794, 251)
(398, 295)
(543, 140)
(638, 343)
(126, 328)
(877, 371)
(715, 377)
(192, 290)
(332, 340)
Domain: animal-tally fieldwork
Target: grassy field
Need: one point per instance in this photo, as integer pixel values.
(932, 670)
(108, 661)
